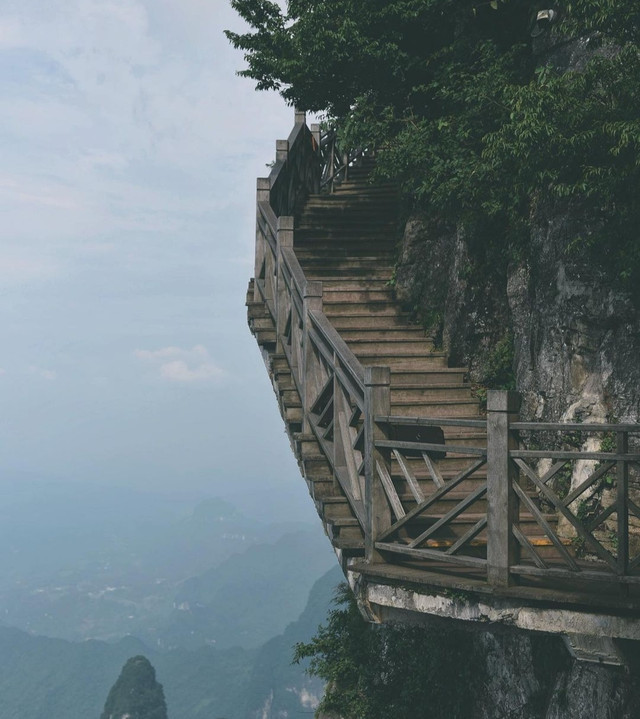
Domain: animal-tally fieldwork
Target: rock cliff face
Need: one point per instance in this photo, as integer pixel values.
(571, 338)
(531, 676)
(576, 335)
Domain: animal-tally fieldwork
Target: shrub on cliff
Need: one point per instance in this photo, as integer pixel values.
(399, 671)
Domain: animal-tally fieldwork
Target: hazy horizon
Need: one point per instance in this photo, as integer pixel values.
(130, 151)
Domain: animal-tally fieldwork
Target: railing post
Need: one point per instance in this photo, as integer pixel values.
(284, 239)
(502, 505)
(332, 166)
(316, 134)
(262, 195)
(312, 302)
(622, 503)
(282, 150)
(377, 402)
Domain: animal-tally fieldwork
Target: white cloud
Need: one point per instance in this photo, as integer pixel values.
(47, 374)
(186, 366)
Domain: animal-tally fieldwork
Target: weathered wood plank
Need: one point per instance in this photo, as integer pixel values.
(390, 491)
(569, 427)
(526, 544)
(558, 504)
(451, 514)
(435, 497)
(345, 438)
(468, 536)
(622, 497)
(584, 574)
(502, 501)
(592, 479)
(427, 447)
(431, 421)
(575, 455)
(546, 527)
(414, 486)
(423, 553)
(349, 360)
(434, 471)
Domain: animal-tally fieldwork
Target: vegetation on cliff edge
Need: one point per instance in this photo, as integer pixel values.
(478, 129)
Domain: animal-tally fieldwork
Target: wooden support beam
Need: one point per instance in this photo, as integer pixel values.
(284, 237)
(262, 195)
(310, 374)
(377, 401)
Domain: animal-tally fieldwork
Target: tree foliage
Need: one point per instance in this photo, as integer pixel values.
(376, 672)
(476, 128)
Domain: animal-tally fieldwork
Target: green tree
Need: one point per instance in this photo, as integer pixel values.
(475, 127)
(399, 671)
(136, 693)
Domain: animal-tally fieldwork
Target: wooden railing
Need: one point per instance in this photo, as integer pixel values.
(335, 160)
(508, 483)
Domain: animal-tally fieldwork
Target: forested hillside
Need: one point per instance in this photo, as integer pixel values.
(41, 678)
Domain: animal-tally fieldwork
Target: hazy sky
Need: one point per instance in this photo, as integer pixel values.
(127, 185)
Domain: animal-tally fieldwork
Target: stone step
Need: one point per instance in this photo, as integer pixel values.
(444, 375)
(378, 294)
(367, 322)
(434, 392)
(293, 414)
(351, 269)
(326, 271)
(359, 283)
(289, 396)
(359, 189)
(370, 212)
(310, 258)
(412, 346)
(334, 507)
(258, 310)
(432, 360)
(351, 533)
(342, 522)
(265, 337)
(395, 332)
(441, 408)
(366, 309)
(351, 547)
(262, 323)
(321, 487)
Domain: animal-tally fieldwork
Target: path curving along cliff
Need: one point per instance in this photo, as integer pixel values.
(422, 494)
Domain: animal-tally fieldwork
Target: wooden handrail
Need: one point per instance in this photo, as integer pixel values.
(346, 406)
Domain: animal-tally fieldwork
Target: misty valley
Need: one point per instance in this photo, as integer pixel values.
(213, 598)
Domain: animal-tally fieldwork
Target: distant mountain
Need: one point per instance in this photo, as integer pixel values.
(42, 678)
(94, 569)
(277, 687)
(251, 596)
(136, 693)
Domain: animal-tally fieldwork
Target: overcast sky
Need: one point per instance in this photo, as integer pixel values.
(129, 152)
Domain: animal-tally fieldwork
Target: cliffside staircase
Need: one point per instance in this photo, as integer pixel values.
(347, 240)
(422, 492)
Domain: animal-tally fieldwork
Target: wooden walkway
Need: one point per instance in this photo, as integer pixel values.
(415, 484)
